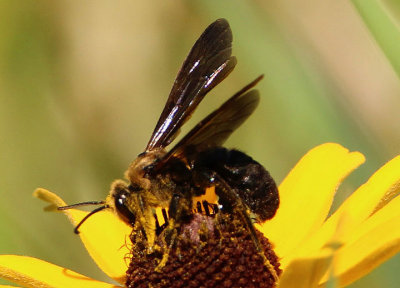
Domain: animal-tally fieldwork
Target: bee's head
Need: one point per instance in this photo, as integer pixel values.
(121, 200)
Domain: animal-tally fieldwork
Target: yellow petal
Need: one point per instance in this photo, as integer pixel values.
(306, 272)
(373, 195)
(370, 197)
(32, 272)
(372, 243)
(103, 234)
(382, 217)
(306, 195)
(389, 181)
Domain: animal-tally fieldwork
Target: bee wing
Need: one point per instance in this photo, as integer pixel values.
(218, 126)
(207, 64)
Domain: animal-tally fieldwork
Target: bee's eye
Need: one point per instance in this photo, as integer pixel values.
(122, 208)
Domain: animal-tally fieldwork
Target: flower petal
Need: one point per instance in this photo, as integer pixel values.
(33, 272)
(307, 193)
(383, 185)
(372, 243)
(104, 235)
(306, 272)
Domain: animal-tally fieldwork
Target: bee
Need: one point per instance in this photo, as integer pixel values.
(171, 179)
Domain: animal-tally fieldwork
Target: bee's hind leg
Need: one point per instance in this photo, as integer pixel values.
(233, 199)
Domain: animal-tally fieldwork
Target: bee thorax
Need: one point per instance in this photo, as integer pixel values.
(138, 170)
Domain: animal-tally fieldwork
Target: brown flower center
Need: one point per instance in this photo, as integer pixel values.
(209, 251)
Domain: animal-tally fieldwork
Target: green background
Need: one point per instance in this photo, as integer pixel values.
(82, 85)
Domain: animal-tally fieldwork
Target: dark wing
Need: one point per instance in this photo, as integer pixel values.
(207, 64)
(213, 130)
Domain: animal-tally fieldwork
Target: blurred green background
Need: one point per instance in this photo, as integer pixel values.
(82, 85)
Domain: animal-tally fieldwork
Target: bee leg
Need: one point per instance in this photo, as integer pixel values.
(178, 208)
(231, 198)
(170, 233)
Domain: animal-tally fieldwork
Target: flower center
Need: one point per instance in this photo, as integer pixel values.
(208, 251)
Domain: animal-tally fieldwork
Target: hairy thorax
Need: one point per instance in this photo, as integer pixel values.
(155, 189)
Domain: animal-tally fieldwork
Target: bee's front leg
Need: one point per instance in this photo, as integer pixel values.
(179, 209)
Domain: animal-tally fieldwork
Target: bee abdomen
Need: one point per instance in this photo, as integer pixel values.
(245, 177)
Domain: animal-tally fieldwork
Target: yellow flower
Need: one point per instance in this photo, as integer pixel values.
(314, 249)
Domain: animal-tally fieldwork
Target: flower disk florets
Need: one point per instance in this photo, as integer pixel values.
(209, 251)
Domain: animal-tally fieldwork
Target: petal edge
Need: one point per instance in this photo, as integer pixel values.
(33, 272)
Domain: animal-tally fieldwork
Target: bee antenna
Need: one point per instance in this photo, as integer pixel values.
(102, 202)
(76, 230)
